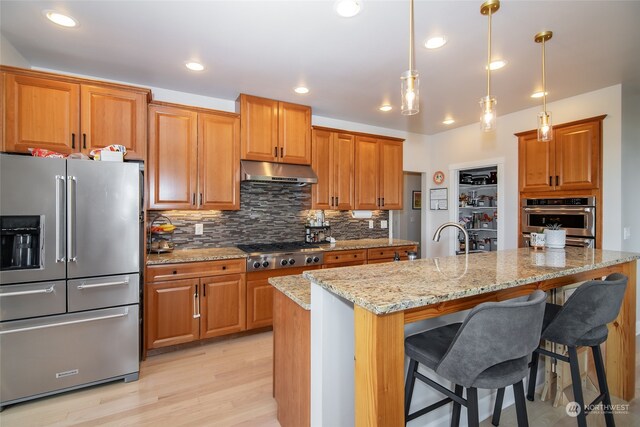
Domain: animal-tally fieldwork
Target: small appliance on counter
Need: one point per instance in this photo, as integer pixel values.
(317, 233)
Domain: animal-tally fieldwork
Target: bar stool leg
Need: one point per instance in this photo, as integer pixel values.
(472, 407)
(602, 384)
(408, 386)
(497, 409)
(521, 405)
(455, 416)
(574, 365)
(533, 373)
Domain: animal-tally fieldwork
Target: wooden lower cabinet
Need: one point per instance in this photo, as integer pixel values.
(180, 310)
(345, 258)
(378, 255)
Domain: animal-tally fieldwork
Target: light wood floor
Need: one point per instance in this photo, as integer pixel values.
(226, 383)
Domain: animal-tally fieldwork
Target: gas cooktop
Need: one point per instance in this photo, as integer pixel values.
(270, 256)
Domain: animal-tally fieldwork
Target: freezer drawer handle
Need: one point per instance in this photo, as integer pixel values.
(36, 291)
(102, 285)
(70, 322)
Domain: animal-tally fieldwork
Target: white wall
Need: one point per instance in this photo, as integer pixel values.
(468, 143)
(10, 56)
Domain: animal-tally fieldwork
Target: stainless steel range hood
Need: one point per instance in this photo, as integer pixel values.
(277, 172)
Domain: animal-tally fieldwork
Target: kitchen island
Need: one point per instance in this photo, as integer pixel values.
(359, 313)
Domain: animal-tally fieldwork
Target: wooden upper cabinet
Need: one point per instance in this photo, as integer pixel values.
(112, 116)
(68, 114)
(41, 113)
(172, 166)
(294, 133)
(222, 305)
(577, 162)
(570, 161)
(333, 161)
(391, 174)
(274, 131)
(367, 173)
(219, 161)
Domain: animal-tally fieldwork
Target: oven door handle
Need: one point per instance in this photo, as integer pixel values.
(556, 209)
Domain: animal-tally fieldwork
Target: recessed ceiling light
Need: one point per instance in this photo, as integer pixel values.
(448, 122)
(496, 65)
(385, 108)
(348, 8)
(301, 90)
(60, 19)
(435, 42)
(194, 66)
(538, 94)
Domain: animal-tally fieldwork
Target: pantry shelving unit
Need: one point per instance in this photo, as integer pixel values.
(477, 207)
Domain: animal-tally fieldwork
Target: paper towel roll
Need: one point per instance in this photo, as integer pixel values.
(361, 214)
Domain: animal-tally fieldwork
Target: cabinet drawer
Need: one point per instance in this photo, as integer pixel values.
(88, 294)
(188, 270)
(389, 252)
(339, 257)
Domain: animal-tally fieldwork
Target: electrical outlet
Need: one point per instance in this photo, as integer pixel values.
(384, 224)
(199, 229)
(370, 223)
(627, 233)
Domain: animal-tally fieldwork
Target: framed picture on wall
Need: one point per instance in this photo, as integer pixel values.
(416, 200)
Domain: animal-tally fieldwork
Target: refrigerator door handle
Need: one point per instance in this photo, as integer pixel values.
(60, 255)
(71, 219)
(70, 322)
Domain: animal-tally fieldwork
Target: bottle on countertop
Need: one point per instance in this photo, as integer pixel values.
(396, 256)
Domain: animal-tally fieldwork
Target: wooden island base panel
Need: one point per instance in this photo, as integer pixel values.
(384, 298)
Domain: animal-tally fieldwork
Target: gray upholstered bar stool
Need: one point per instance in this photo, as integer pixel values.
(490, 349)
(580, 322)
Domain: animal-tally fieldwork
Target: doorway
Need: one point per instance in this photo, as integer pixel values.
(407, 223)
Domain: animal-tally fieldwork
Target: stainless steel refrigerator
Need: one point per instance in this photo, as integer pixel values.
(69, 276)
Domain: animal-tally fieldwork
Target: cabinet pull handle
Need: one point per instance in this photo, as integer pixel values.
(204, 290)
(275, 151)
(200, 199)
(557, 180)
(336, 200)
(281, 151)
(196, 306)
(383, 201)
(73, 141)
(193, 199)
(332, 199)
(84, 140)
(378, 201)
(550, 181)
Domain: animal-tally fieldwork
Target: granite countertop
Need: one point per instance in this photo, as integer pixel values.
(194, 255)
(390, 287)
(295, 287)
(344, 245)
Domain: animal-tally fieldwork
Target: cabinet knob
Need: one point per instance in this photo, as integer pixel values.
(224, 267)
(175, 272)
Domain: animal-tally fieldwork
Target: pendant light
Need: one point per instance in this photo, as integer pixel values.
(488, 103)
(409, 79)
(545, 131)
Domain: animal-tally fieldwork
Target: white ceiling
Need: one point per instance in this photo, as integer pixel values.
(351, 65)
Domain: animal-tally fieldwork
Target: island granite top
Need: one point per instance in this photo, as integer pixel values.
(397, 286)
(296, 287)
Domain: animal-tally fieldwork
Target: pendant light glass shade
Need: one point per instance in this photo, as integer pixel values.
(409, 79)
(545, 129)
(410, 93)
(488, 113)
(488, 103)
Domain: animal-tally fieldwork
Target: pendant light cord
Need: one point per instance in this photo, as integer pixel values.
(544, 83)
(489, 59)
(411, 35)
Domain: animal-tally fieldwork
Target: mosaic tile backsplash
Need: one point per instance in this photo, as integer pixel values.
(268, 213)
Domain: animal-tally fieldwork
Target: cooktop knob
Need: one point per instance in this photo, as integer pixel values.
(292, 261)
(256, 264)
(309, 260)
(284, 262)
(316, 259)
(265, 264)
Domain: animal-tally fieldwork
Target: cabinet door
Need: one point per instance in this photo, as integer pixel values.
(536, 163)
(219, 161)
(259, 303)
(322, 192)
(367, 173)
(577, 150)
(113, 116)
(294, 129)
(172, 161)
(171, 310)
(259, 128)
(391, 174)
(41, 113)
(222, 305)
(343, 162)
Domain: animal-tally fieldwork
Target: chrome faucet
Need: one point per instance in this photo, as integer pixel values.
(436, 236)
